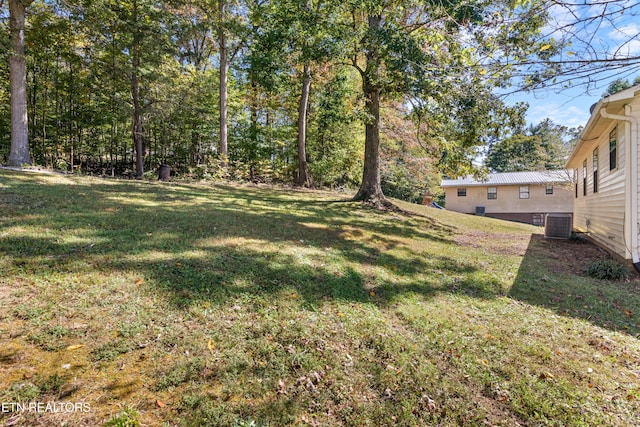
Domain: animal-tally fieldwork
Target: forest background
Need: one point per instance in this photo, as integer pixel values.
(281, 90)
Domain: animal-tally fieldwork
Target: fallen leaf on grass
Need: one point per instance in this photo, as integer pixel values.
(74, 347)
(160, 404)
(140, 281)
(431, 404)
(628, 313)
(14, 421)
(281, 387)
(210, 345)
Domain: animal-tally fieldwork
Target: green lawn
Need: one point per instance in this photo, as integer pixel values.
(175, 304)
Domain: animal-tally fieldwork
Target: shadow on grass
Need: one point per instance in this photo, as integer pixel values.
(199, 236)
(552, 275)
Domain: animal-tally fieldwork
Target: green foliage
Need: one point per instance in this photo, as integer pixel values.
(515, 154)
(180, 373)
(616, 86)
(398, 182)
(83, 55)
(540, 147)
(127, 418)
(334, 140)
(406, 172)
(110, 350)
(607, 269)
(49, 337)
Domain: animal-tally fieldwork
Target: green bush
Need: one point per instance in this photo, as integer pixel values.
(607, 269)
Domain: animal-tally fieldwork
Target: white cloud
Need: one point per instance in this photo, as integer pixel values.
(625, 32)
(626, 38)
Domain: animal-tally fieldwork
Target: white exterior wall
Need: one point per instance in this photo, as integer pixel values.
(509, 201)
(602, 214)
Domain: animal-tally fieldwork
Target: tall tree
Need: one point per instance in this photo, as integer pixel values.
(19, 154)
(438, 52)
(544, 146)
(229, 30)
(293, 37)
(224, 69)
(304, 175)
(138, 32)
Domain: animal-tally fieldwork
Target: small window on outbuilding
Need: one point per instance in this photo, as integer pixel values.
(548, 189)
(524, 191)
(492, 193)
(613, 149)
(462, 192)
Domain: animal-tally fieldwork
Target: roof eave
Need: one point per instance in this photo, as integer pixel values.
(616, 100)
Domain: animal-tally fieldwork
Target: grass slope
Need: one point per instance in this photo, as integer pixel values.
(171, 304)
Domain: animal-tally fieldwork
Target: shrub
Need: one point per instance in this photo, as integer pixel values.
(607, 269)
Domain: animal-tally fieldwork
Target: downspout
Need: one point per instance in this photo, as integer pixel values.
(633, 185)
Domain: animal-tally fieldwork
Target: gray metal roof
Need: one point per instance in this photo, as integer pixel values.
(512, 178)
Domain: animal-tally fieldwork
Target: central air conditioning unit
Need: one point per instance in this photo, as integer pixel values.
(558, 226)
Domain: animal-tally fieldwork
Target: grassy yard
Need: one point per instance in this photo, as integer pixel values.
(171, 304)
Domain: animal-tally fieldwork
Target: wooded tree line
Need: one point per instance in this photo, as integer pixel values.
(378, 94)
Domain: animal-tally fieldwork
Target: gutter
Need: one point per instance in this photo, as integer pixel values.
(633, 121)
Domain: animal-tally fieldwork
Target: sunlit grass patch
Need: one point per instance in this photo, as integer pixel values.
(251, 305)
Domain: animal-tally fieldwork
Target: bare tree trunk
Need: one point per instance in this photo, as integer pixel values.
(224, 68)
(304, 176)
(371, 189)
(19, 154)
(135, 92)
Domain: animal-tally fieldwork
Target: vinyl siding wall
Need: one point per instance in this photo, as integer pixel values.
(508, 199)
(602, 213)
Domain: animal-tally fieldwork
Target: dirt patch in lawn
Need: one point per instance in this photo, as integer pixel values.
(501, 243)
(567, 256)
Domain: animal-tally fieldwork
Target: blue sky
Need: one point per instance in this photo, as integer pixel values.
(569, 108)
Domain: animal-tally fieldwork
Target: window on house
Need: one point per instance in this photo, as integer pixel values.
(548, 189)
(595, 170)
(492, 193)
(524, 192)
(584, 177)
(613, 149)
(462, 192)
(575, 182)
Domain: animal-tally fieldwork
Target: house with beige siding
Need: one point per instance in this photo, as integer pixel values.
(605, 161)
(515, 196)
